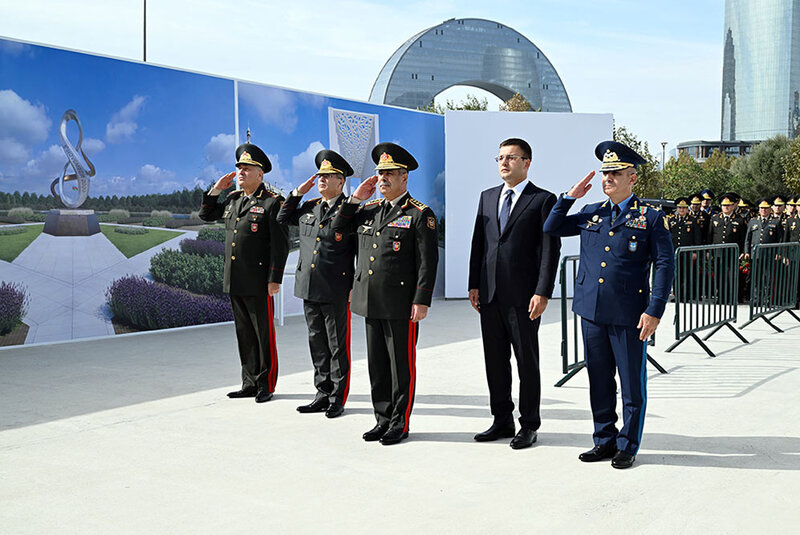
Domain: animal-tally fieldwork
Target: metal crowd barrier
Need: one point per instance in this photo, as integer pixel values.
(572, 357)
(773, 286)
(706, 291)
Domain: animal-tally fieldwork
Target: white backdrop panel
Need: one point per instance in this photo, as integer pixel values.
(563, 153)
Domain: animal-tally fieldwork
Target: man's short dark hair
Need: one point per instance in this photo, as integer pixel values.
(521, 143)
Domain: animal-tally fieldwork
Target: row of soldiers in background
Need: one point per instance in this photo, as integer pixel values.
(696, 222)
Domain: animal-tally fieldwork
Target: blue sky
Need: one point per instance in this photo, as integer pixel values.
(656, 66)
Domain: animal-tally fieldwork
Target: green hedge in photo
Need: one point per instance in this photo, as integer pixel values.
(215, 233)
(196, 273)
(11, 245)
(131, 245)
(135, 231)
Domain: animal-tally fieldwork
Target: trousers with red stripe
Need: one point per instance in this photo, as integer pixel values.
(253, 317)
(391, 358)
(329, 343)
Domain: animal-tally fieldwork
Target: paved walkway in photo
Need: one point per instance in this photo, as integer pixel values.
(66, 278)
(134, 434)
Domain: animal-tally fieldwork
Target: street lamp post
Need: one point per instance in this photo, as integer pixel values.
(663, 161)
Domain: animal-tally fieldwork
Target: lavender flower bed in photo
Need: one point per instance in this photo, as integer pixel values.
(148, 305)
(13, 305)
(202, 247)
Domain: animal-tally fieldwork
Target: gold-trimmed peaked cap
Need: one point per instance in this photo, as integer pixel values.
(778, 201)
(330, 162)
(697, 198)
(249, 154)
(616, 156)
(393, 156)
(765, 202)
(729, 199)
(682, 202)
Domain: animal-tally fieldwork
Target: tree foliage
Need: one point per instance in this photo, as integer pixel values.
(517, 103)
(470, 103)
(648, 184)
(791, 166)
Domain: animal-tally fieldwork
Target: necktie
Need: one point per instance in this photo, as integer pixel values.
(505, 211)
(387, 207)
(324, 207)
(614, 213)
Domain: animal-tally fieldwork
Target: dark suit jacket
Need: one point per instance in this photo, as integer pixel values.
(256, 246)
(326, 264)
(397, 256)
(511, 267)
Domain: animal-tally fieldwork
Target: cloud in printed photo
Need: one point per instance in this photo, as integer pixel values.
(123, 124)
(22, 125)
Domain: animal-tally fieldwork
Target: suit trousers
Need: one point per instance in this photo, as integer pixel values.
(329, 343)
(255, 335)
(504, 327)
(392, 360)
(608, 349)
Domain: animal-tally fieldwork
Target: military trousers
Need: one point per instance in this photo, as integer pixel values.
(610, 349)
(329, 343)
(253, 317)
(504, 327)
(392, 363)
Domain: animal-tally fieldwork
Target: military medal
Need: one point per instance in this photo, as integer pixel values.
(431, 222)
(395, 246)
(401, 222)
(337, 236)
(254, 227)
(257, 210)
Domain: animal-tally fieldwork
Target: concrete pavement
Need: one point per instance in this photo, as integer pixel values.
(134, 434)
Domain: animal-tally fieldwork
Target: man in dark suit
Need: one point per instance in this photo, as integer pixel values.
(256, 247)
(398, 251)
(323, 280)
(512, 271)
(620, 239)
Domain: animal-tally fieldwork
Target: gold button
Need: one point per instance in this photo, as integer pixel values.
(313, 266)
(601, 281)
(321, 225)
(371, 258)
(374, 245)
(260, 264)
(238, 219)
(610, 232)
(370, 272)
(640, 291)
(402, 283)
(608, 248)
(602, 264)
(343, 273)
(378, 233)
(235, 231)
(317, 239)
(233, 257)
(315, 252)
(252, 202)
(233, 244)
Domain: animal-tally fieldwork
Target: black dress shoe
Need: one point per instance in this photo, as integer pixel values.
(334, 410)
(503, 429)
(598, 453)
(243, 393)
(395, 435)
(524, 439)
(263, 396)
(374, 434)
(318, 405)
(623, 459)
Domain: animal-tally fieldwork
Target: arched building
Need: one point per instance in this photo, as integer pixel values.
(473, 52)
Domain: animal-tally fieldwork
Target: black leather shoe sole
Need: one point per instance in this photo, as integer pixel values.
(242, 394)
(494, 434)
(334, 411)
(263, 397)
(393, 437)
(374, 434)
(318, 405)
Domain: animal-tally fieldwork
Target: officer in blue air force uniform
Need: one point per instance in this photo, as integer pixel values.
(620, 239)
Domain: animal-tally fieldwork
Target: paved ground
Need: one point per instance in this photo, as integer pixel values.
(134, 434)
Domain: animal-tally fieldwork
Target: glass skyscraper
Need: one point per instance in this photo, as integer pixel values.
(761, 69)
(473, 52)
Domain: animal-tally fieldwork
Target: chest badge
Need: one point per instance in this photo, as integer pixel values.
(253, 227)
(633, 246)
(401, 222)
(337, 236)
(395, 246)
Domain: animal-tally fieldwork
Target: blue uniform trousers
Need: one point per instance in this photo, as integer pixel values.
(611, 348)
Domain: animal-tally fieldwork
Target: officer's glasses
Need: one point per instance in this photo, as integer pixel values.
(509, 158)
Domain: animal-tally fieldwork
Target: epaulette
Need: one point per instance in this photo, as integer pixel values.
(315, 201)
(235, 194)
(416, 204)
(373, 202)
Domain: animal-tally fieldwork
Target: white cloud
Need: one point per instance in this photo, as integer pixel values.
(14, 49)
(274, 106)
(221, 148)
(48, 165)
(303, 164)
(92, 146)
(22, 124)
(123, 125)
(277, 177)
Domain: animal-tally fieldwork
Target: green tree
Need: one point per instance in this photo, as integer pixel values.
(517, 103)
(682, 176)
(791, 166)
(648, 183)
(470, 103)
(761, 173)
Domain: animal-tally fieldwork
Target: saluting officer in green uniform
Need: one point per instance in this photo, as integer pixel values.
(323, 279)
(256, 247)
(395, 274)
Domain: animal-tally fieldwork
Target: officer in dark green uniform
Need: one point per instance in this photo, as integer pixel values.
(256, 247)
(395, 274)
(762, 229)
(699, 216)
(727, 226)
(323, 280)
(744, 209)
(792, 223)
(683, 228)
(707, 200)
